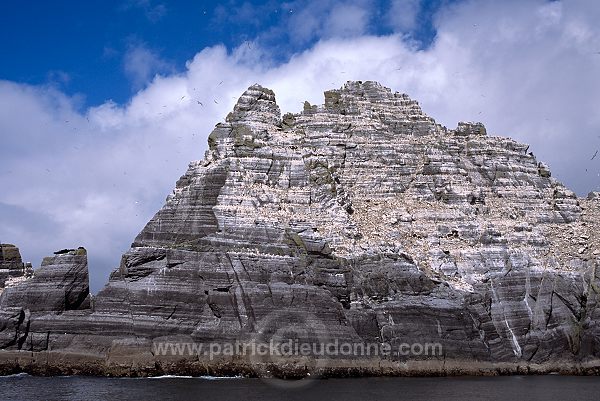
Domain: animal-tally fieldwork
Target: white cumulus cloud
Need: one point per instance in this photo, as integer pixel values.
(141, 64)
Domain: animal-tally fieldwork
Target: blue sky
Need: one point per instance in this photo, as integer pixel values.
(99, 100)
(85, 47)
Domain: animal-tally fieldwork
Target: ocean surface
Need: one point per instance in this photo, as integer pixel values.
(513, 388)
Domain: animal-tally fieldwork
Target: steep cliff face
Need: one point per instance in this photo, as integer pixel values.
(28, 308)
(12, 268)
(360, 221)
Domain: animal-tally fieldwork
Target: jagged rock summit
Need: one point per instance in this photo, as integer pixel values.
(361, 221)
(12, 268)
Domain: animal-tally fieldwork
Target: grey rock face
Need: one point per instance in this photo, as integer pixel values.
(12, 267)
(361, 221)
(60, 285)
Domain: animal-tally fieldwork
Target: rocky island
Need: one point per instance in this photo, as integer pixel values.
(360, 221)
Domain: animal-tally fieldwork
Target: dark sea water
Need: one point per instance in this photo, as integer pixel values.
(513, 388)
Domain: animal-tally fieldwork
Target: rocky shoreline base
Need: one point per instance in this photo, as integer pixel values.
(60, 364)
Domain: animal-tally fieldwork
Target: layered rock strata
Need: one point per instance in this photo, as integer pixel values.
(12, 268)
(359, 221)
(53, 293)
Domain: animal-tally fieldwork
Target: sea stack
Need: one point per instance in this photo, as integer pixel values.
(359, 221)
